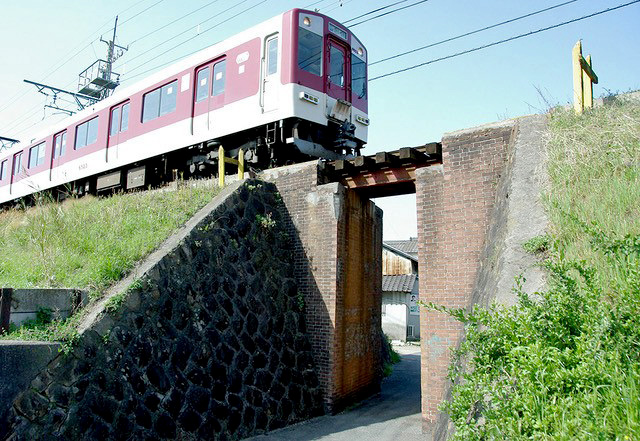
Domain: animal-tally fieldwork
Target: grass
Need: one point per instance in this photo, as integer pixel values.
(566, 365)
(88, 243)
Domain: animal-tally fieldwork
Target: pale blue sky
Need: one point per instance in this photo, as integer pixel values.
(407, 109)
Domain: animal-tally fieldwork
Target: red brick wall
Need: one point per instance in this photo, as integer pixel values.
(454, 203)
(338, 243)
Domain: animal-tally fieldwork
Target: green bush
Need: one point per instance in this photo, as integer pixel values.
(565, 364)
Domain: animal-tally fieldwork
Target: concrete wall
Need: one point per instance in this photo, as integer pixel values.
(25, 303)
(394, 320)
(207, 339)
(337, 254)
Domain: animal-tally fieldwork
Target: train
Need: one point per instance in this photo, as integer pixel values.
(289, 89)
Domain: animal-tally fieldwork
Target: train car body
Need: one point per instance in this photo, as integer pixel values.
(294, 86)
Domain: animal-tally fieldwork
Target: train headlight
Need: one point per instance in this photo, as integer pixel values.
(360, 51)
(362, 120)
(308, 97)
(306, 21)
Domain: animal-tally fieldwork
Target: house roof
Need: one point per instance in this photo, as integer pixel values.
(408, 247)
(398, 283)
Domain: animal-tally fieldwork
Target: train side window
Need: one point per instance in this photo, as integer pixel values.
(202, 88)
(86, 133)
(124, 124)
(115, 121)
(17, 163)
(272, 56)
(168, 98)
(159, 102)
(59, 144)
(151, 106)
(3, 170)
(309, 51)
(36, 155)
(219, 76)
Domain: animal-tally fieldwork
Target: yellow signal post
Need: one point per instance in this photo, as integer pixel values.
(583, 79)
(221, 167)
(221, 160)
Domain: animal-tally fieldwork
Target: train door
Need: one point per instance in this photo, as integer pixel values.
(338, 68)
(270, 69)
(59, 149)
(208, 98)
(118, 130)
(201, 100)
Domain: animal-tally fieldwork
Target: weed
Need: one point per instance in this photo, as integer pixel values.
(567, 364)
(266, 222)
(537, 245)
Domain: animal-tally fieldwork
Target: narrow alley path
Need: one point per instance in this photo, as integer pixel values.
(391, 416)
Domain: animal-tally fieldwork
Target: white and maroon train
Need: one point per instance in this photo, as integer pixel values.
(290, 88)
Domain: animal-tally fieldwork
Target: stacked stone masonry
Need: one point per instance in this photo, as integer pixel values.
(210, 343)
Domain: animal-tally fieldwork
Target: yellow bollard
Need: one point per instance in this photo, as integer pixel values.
(578, 98)
(587, 86)
(241, 164)
(221, 167)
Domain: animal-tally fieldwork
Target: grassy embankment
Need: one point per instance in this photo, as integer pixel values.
(88, 243)
(566, 366)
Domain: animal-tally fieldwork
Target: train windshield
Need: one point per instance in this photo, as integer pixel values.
(358, 77)
(310, 52)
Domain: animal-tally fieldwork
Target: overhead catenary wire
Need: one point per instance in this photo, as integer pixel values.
(495, 43)
(374, 11)
(466, 34)
(173, 21)
(187, 40)
(388, 12)
(189, 29)
(74, 53)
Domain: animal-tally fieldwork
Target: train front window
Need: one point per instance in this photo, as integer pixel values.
(336, 66)
(309, 51)
(218, 78)
(358, 77)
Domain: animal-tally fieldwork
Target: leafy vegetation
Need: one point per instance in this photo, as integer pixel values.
(565, 365)
(394, 357)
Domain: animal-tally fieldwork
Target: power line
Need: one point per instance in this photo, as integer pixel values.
(191, 38)
(471, 33)
(374, 11)
(495, 43)
(156, 46)
(388, 12)
(174, 21)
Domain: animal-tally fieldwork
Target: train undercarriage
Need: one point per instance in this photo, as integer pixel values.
(279, 143)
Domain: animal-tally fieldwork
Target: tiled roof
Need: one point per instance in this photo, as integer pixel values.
(406, 246)
(399, 283)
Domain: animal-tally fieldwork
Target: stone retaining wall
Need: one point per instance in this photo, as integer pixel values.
(209, 343)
